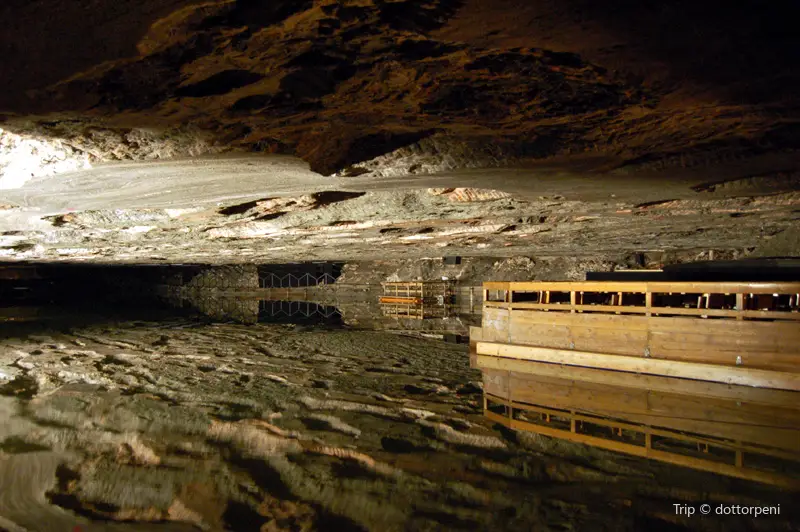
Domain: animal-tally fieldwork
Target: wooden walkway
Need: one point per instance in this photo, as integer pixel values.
(416, 299)
(723, 332)
(704, 375)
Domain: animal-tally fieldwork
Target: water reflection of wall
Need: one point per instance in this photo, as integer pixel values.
(208, 292)
(227, 308)
(240, 293)
(300, 312)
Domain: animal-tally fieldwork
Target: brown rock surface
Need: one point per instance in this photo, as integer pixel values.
(459, 83)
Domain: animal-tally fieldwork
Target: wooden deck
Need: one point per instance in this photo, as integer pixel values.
(638, 325)
(704, 375)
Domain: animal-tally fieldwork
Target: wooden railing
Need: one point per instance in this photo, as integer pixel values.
(774, 301)
(403, 289)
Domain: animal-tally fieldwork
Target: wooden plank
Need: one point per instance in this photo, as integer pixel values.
(771, 345)
(536, 334)
(617, 342)
(740, 304)
(666, 347)
(753, 329)
(495, 325)
(686, 461)
(496, 383)
(749, 394)
(720, 341)
(581, 320)
(400, 300)
(656, 311)
(707, 372)
(778, 335)
(566, 307)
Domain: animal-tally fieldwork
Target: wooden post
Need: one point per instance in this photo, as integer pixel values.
(740, 305)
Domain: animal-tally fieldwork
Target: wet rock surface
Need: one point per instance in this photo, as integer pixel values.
(182, 426)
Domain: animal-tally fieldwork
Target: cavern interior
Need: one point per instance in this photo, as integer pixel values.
(380, 265)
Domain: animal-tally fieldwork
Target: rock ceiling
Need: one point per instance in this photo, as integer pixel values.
(360, 86)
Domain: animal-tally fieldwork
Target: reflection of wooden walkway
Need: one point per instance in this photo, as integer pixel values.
(708, 426)
(416, 299)
(701, 452)
(704, 375)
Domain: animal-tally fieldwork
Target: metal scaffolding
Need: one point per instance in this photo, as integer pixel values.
(271, 280)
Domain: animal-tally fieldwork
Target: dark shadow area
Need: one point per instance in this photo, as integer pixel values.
(71, 296)
(43, 44)
(745, 51)
(219, 83)
(720, 43)
(747, 270)
(67, 297)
